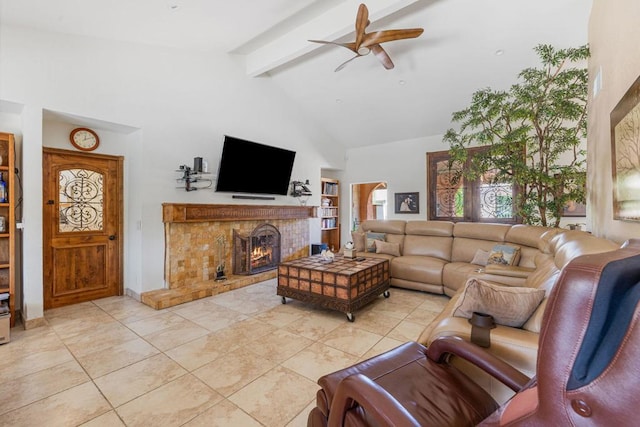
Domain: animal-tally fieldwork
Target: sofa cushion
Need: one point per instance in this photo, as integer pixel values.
(571, 244)
(428, 246)
(389, 226)
(526, 235)
(396, 238)
(387, 248)
(371, 238)
(464, 249)
(528, 256)
(421, 269)
(481, 231)
(377, 256)
(509, 306)
(429, 228)
(359, 241)
(504, 254)
(480, 258)
(455, 274)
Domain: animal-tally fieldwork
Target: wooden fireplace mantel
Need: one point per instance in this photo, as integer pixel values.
(191, 212)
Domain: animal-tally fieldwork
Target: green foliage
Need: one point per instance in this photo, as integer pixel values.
(533, 131)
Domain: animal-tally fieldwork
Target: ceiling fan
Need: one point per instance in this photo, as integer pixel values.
(366, 43)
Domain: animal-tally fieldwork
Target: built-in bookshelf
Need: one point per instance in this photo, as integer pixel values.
(330, 213)
(7, 228)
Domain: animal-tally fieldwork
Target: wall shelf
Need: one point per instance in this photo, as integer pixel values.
(190, 177)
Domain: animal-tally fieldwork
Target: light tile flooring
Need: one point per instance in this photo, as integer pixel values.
(241, 358)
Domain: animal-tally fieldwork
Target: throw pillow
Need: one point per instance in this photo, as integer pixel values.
(359, 241)
(509, 305)
(504, 254)
(371, 238)
(387, 248)
(480, 258)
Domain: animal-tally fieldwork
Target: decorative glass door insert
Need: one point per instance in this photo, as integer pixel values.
(80, 199)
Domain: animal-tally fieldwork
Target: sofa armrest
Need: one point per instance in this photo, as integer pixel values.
(375, 400)
(503, 274)
(508, 270)
(442, 347)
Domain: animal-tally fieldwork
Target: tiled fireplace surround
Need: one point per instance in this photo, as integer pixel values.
(191, 251)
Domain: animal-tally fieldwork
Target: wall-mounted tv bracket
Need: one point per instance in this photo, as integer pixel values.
(190, 177)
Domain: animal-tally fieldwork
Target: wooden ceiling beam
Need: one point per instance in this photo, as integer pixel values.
(331, 25)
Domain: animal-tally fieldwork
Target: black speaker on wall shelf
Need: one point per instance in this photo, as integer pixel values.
(197, 164)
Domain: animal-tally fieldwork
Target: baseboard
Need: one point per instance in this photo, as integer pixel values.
(132, 294)
(33, 323)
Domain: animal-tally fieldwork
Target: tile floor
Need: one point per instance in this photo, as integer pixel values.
(241, 358)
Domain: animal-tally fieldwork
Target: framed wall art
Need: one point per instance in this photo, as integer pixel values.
(625, 146)
(408, 203)
(573, 208)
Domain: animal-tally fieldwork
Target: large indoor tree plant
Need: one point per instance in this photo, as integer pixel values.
(533, 132)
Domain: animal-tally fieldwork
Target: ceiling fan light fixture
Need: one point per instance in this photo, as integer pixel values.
(370, 42)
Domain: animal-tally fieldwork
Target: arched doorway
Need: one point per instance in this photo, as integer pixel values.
(368, 201)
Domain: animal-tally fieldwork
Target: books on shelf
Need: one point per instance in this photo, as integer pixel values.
(329, 222)
(4, 303)
(332, 211)
(330, 188)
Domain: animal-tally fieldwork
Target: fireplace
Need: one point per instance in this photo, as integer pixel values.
(259, 251)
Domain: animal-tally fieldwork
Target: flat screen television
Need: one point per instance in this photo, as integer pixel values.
(249, 167)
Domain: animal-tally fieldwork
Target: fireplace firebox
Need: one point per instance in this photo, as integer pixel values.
(257, 252)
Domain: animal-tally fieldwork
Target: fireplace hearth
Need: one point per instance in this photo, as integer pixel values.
(257, 252)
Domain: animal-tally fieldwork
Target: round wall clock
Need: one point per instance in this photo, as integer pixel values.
(84, 139)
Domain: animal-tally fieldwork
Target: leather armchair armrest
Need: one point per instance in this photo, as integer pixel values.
(375, 400)
(508, 270)
(442, 347)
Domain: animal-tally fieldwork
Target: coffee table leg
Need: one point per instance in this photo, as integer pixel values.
(385, 293)
(351, 317)
(284, 300)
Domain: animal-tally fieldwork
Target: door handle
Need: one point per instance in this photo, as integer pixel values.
(112, 237)
(50, 202)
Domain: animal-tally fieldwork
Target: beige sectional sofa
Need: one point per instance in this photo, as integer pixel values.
(436, 257)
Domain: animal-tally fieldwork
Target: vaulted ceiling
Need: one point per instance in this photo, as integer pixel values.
(466, 45)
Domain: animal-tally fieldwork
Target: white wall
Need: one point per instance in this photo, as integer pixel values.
(402, 165)
(613, 40)
(180, 102)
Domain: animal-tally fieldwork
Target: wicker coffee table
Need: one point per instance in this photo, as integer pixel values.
(344, 284)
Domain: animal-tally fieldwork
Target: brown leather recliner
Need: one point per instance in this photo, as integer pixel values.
(587, 371)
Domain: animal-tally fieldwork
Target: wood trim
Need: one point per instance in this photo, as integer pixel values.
(185, 212)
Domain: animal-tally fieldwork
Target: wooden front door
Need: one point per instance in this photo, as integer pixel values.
(82, 226)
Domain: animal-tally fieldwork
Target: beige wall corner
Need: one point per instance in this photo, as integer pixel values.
(614, 65)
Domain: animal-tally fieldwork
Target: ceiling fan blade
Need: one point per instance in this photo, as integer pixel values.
(391, 35)
(362, 20)
(350, 46)
(344, 64)
(382, 56)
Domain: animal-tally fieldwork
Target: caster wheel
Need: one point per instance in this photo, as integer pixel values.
(284, 300)
(351, 317)
(386, 294)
